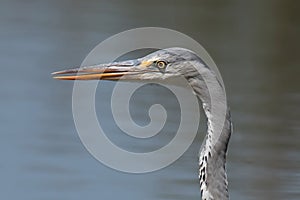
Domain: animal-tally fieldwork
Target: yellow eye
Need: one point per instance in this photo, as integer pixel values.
(161, 64)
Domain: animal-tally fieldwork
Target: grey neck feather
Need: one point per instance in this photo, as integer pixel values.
(212, 155)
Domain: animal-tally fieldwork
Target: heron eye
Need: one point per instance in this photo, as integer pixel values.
(161, 64)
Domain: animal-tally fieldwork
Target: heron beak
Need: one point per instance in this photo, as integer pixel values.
(112, 71)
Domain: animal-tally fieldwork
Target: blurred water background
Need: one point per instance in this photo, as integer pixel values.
(254, 43)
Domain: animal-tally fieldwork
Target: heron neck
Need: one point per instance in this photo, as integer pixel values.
(212, 160)
(212, 155)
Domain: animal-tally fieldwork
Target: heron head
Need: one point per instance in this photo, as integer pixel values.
(159, 65)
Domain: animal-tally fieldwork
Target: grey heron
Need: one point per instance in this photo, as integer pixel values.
(168, 63)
